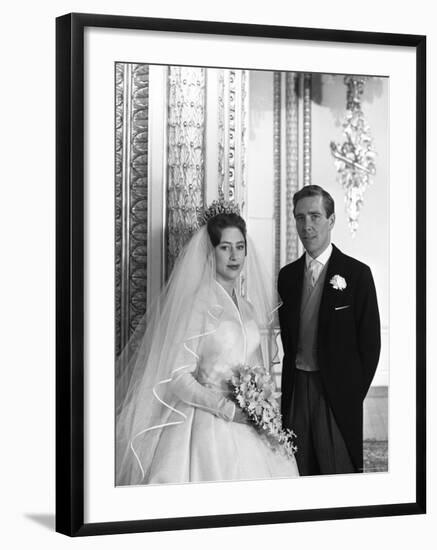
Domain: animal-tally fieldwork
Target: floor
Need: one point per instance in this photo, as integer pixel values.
(376, 414)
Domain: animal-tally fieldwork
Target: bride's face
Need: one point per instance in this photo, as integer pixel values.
(230, 254)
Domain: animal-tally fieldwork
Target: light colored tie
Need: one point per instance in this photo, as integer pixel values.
(314, 269)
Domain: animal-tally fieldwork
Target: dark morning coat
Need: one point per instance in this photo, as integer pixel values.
(348, 341)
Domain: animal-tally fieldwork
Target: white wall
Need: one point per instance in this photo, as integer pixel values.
(27, 277)
(371, 241)
(260, 167)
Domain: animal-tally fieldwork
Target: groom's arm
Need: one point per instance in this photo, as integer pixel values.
(368, 326)
(281, 284)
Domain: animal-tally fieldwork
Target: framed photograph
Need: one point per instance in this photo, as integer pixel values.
(240, 274)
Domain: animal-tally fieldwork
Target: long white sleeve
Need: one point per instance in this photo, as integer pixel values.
(190, 391)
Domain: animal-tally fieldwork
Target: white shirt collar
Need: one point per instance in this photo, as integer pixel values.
(323, 258)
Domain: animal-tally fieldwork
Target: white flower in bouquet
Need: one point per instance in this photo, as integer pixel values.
(254, 391)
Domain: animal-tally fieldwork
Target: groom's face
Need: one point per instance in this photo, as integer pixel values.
(313, 226)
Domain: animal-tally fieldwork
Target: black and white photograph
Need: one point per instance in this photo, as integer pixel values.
(240, 275)
(251, 274)
(218, 275)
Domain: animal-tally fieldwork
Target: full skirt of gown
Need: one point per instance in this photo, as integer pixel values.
(208, 448)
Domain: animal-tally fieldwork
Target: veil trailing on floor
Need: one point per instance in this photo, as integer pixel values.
(167, 341)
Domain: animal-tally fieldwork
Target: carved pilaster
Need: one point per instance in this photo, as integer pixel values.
(222, 159)
(244, 136)
(119, 101)
(186, 127)
(130, 198)
(307, 79)
(277, 170)
(139, 194)
(240, 153)
(232, 135)
(292, 162)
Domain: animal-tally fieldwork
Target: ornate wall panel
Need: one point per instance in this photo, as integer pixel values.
(277, 161)
(222, 130)
(241, 193)
(307, 78)
(186, 126)
(232, 136)
(239, 152)
(292, 162)
(119, 77)
(131, 193)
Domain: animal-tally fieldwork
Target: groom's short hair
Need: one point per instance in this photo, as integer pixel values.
(315, 191)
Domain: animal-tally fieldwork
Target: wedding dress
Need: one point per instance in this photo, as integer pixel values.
(209, 446)
(177, 425)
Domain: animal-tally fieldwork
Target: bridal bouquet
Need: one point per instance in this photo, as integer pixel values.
(254, 391)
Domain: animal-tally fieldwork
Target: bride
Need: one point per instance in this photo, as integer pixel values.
(176, 421)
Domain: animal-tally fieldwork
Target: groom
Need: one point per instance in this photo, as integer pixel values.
(330, 332)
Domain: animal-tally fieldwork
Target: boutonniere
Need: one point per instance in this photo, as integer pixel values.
(338, 282)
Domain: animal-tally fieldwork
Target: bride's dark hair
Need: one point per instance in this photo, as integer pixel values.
(216, 224)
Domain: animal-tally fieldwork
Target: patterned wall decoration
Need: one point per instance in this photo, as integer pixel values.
(227, 134)
(232, 135)
(277, 161)
(244, 138)
(239, 152)
(297, 151)
(307, 78)
(119, 96)
(131, 183)
(292, 162)
(186, 128)
(222, 157)
(232, 138)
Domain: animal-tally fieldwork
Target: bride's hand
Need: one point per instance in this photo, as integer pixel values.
(240, 416)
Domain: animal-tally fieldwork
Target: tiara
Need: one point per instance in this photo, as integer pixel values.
(218, 207)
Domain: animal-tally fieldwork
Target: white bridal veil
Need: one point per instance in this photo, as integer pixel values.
(168, 340)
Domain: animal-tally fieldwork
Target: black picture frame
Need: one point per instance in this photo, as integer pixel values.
(70, 272)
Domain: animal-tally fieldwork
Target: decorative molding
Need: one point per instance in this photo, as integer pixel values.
(186, 127)
(125, 205)
(131, 191)
(355, 158)
(222, 169)
(240, 155)
(292, 162)
(244, 141)
(228, 134)
(119, 101)
(307, 81)
(157, 178)
(233, 98)
(232, 135)
(277, 161)
(139, 195)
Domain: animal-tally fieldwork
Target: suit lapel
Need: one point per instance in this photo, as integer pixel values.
(296, 294)
(335, 267)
